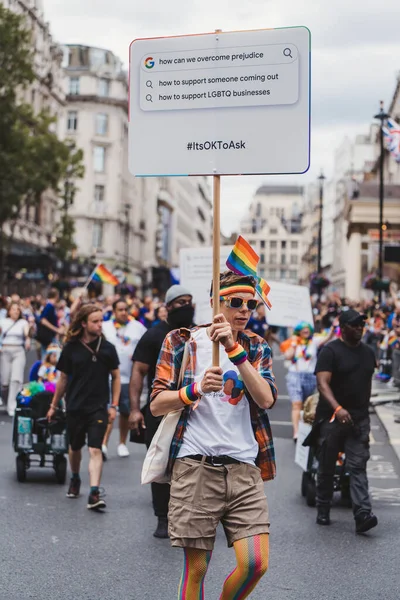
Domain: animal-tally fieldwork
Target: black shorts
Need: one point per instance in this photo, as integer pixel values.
(92, 425)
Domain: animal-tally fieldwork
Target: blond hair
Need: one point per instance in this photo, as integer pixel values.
(76, 328)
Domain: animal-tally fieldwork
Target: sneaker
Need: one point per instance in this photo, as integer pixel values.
(74, 488)
(95, 501)
(365, 522)
(122, 450)
(104, 451)
(162, 528)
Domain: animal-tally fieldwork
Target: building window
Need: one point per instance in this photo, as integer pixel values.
(273, 231)
(262, 244)
(294, 259)
(103, 87)
(283, 244)
(293, 274)
(262, 259)
(273, 245)
(101, 124)
(97, 241)
(74, 86)
(272, 273)
(99, 194)
(294, 245)
(258, 209)
(272, 259)
(283, 259)
(72, 121)
(283, 273)
(99, 159)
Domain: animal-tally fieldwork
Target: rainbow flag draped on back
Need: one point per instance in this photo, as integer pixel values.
(101, 273)
(243, 260)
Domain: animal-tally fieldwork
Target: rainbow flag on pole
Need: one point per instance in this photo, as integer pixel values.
(243, 260)
(101, 273)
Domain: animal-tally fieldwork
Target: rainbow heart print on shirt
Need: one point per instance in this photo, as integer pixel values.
(233, 390)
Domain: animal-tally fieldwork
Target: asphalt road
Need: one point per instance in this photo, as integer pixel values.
(53, 548)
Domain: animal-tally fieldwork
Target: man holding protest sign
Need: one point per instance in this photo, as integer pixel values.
(222, 448)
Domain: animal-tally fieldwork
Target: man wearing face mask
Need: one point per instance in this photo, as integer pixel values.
(180, 309)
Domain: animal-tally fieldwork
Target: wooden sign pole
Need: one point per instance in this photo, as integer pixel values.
(216, 256)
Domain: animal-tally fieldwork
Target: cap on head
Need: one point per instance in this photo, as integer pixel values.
(351, 317)
(176, 291)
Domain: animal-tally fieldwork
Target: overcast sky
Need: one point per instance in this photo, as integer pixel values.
(355, 59)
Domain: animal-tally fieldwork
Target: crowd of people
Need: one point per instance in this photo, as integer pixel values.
(101, 352)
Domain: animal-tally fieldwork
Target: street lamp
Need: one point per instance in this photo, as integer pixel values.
(127, 208)
(321, 179)
(382, 116)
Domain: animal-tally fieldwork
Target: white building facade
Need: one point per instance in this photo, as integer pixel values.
(32, 232)
(273, 228)
(136, 225)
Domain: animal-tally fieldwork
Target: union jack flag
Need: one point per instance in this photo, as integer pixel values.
(392, 137)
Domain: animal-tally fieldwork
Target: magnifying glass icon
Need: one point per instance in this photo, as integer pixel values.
(287, 52)
(149, 84)
(149, 98)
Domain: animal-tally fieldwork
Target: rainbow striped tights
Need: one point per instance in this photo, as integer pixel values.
(252, 563)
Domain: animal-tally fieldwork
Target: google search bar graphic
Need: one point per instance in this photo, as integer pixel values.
(251, 56)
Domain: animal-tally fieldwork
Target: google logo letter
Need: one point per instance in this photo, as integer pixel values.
(149, 62)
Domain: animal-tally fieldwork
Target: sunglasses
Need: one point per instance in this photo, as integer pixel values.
(238, 303)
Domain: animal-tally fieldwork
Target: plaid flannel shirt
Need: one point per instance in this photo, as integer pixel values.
(166, 379)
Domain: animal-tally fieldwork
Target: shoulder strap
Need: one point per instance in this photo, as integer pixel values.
(9, 329)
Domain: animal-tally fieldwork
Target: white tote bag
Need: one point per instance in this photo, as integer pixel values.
(157, 457)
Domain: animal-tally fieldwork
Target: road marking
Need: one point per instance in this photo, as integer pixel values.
(283, 396)
(54, 539)
(391, 495)
(281, 423)
(381, 469)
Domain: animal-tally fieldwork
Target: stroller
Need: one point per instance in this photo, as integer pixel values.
(35, 440)
(310, 441)
(341, 480)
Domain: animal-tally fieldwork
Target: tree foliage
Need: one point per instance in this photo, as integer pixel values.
(32, 158)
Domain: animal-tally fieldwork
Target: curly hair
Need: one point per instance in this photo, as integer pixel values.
(76, 329)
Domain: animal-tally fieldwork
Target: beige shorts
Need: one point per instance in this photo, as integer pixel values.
(203, 495)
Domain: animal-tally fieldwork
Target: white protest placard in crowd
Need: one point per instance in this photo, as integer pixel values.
(302, 453)
(196, 275)
(290, 304)
(220, 103)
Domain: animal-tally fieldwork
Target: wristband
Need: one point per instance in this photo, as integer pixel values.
(114, 406)
(335, 413)
(237, 355)
(189, 394)
(53, 407)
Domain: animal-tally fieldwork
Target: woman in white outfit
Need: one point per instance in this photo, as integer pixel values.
(14, 332)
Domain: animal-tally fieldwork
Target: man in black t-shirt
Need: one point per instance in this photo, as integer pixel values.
(180, 314)
(86, 363)
(344, 371)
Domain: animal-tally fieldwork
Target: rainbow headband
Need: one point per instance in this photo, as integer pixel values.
(243, 260)
(236, 288)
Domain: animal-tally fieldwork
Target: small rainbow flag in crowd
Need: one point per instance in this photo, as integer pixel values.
(101, 273)
(243, 260)
(393, 339)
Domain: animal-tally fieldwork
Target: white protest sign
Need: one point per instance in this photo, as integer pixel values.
(290, 304)
(196, 276)
(220, 103)
(302, 453)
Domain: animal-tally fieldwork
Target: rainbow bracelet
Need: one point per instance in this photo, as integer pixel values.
(237, 354)
(189, 394)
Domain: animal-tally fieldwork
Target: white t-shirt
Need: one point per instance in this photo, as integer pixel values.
(221, 423)
(125, 340)
(302, 365)
(13, 332)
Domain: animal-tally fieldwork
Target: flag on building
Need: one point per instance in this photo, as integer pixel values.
(392, 138)
(101, 273)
